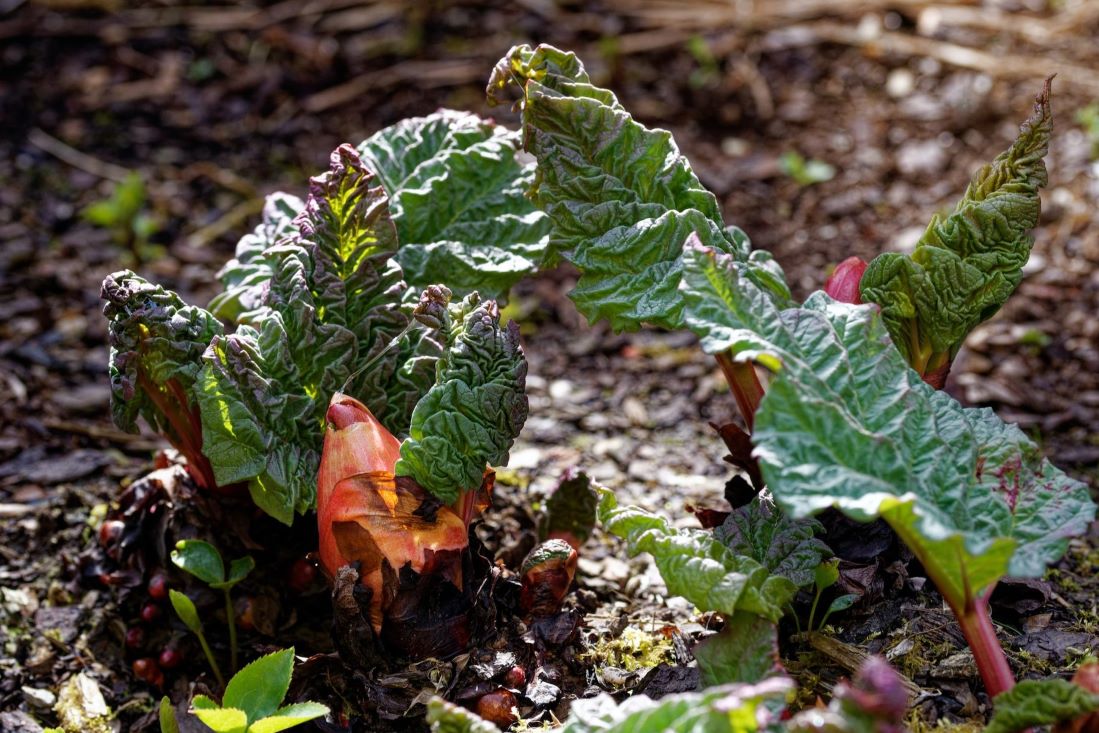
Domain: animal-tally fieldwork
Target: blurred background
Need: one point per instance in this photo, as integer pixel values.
(146, 135)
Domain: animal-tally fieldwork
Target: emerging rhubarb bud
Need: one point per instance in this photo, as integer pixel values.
(547, 573)
(365, 514)
(843, 283)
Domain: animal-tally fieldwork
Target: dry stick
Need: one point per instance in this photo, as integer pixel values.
(67, 154)
(426, 74)
(1002, 66)
(702, 16)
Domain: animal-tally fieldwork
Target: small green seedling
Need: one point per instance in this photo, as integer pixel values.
(202, 560)
(124, 215)
(252, 699)
(167, 715)
(1088, 118)
(188, 614)
(825, 576)
(805, 172)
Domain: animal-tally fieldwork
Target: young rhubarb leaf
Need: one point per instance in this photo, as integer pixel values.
(570, 509)
(156, 343)
(846, 423)
(1040, 702)
(457, 196)
(967, 263)
(622, 198)
(783, 545)
(697, 566)
(245, 277)
(476, 409)
(332, 305)
(746, 650)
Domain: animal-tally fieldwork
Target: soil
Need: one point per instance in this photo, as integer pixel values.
(216, 106)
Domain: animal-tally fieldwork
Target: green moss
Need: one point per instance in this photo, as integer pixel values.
(633, 650)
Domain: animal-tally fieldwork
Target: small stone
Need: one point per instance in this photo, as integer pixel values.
(39, 699)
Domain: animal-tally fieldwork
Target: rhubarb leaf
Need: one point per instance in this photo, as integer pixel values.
(737, 708)
(245, 277)
(476, 409)
(331, 307)
(697, 566)
(783, 545)
(570, 509)
(156, 343)
(746, 650)
(621, 197)
(846, 423)
(457, 196)
(967, 263)
(1039, 702)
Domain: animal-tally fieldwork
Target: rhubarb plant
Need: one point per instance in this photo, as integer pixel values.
(847, 420)
(321, 305)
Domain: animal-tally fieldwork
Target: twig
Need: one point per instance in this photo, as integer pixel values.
(66, 154)
(225, 223)
(101, 433)
(426, 74)
(1002, 66)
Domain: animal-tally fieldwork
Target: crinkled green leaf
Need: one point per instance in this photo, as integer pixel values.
(332, 305)
(156, 342)
(783, 545)
(967, 263)
(1039, 702)
(746, 650)
(621, 197)
(846, 423)
(258, 688)
(446, 717)
(737, 708)
(457, 196)
(288, 717)
(697, 566)
(570, 509)
(245, 277)
(476, 409)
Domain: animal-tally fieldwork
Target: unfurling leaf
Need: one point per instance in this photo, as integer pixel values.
(843, 283)
(570, 509)
(157, 342)
(457, 196)
(367, 515)
(967, 263)
(696, 565)
(622, 199)
(846, 423)
(331, 306)
(476, 409)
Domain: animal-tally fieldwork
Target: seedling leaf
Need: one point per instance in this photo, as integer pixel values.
(200, 559)
(185, 609)
(259, 687)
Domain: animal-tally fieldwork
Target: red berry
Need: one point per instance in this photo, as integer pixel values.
(516, 677)
(146, 669)
(150, 613)
(135, 637)
(495, 707)
(158, 587)
(170, 658)
(301, 575)
(110, 532)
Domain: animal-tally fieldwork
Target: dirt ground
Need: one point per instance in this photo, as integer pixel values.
(215, 106)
